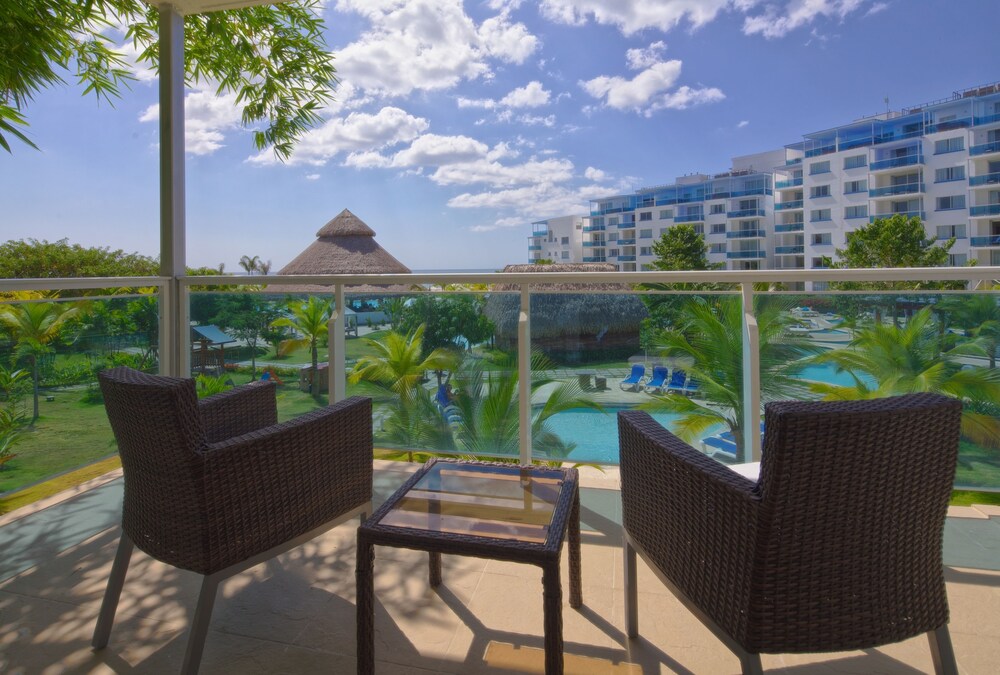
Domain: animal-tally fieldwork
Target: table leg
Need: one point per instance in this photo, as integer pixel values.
(366, 607)
(552, 607)
(434, 561)
(575, 585)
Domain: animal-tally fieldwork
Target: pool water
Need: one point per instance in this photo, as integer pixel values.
(827, 372)
(595, 433)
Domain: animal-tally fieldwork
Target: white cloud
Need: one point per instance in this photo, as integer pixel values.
(358, 132)
(427, 45)
(638, 59)
(486, 103)
(531, 95)
(636, 93)
(312, 176)
(595, 175)
(777, 22)
(367, 160)
(537, 120)
(206, 119)
(686, 97)
(502, 150)
(631, 16)
(876, 8)
(500, 224)
(743, 124)
(498, 175)
(434, 150)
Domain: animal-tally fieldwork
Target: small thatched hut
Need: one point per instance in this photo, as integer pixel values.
(568, 325)
(345, 245)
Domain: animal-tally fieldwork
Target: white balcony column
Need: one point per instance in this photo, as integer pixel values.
(524, 373)
(174, 330)
(337, 327)
(751, 378)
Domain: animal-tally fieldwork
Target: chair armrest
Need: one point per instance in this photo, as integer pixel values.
(239, 411)
(273, 484)
(695, 519)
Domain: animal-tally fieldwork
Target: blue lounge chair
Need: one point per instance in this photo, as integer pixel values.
(655, 383)
(681, 383)
(720, 445)
(631, 383)
(441, 397)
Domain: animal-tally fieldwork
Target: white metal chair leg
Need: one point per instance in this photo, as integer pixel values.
(199, 624)
(106, 617)
(631, 592)
(942, 652)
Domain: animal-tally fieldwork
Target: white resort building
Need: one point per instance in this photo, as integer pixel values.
(789, 208)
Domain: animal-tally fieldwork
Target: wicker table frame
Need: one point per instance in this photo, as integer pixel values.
(565, 517)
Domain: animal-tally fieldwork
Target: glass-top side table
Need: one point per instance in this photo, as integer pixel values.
(481, 509)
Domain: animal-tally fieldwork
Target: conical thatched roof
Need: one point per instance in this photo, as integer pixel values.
(607, 308)
(345, 245)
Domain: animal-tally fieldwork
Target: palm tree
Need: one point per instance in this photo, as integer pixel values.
(709, 341)
(250, 265)
(309, 321)
(397, 364)
(979, 313)
(487, 404)
(33, 326)
(887, 360)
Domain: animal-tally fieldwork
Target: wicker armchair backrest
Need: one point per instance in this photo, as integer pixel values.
(853, 501)
(159, 431)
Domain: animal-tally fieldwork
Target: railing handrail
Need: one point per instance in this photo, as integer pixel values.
(975, 273)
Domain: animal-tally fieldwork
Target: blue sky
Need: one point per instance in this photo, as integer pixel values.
(458, 124)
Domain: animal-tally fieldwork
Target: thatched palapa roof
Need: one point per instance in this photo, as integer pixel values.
(556, 310)
(345, 245)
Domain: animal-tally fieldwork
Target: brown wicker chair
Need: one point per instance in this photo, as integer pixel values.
(218, 486)
(836, 547)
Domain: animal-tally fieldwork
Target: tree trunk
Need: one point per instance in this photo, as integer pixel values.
(315, 372)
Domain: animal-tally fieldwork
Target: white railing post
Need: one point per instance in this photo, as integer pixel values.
(751, 378)
(337, 367)
(524, 373)
(173, 331)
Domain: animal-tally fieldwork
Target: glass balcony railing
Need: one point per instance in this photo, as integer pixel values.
(690, 218)
(575, 364)
(789, 227)
(984, 149)
(789, 250)
(792, 162)
(987, 179)
(626, 258)
(592, 244)
(991, 241)
(746, 213)
(594, 228)
(986, 119)
(824, 150)
(985, 210)
(784, 206)
(743, 255)
(535, 248)
(627, 242)
(746, 234)
(783, 184)
(962, 123)
(889, 190)
(751, 192)
(909, 214)
(594, 259)
(896, 162)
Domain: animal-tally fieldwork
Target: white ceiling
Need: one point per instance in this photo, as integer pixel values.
(186, 7)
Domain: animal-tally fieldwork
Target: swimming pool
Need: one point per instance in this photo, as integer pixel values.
(596, 433)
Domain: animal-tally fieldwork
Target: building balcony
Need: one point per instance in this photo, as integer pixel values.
(745, 255)
(984, 149)
(790, 227)
(592, 244)
(909, 214)
(987, 179)
(985, 242)
(896, 163)
(594, 259)
(535, 248)
(751, 193)
(746, 213)
(892, 190)
(594, 228)
(690, 218)
(787, 206)
(824, 150)
(746, 234)
(627, 242)
(950, 125)
(626, 258)
(986, 119)
(789, 250)
(784, 184)
(984, 210)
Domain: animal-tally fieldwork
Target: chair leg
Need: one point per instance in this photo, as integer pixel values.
(750, 663)
(631, 592)
(942, 652)
(199, 625)
(106, 617)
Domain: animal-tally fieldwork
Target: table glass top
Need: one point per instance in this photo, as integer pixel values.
(499, 502)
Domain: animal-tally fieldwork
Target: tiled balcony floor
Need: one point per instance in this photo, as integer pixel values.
(295, 614)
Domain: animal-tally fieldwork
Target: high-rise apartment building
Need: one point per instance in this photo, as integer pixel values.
(790, 208)
(557, 239)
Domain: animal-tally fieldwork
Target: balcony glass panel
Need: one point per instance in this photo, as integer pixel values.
(783, 206)
(782, 184)
(985, 149)
(789, 227)
(690, 218)
(746, 213)
(786, 250)
(904, 189)
(985, 241)
(909, 214)
(987, 179)
(985, 210)
(740, 255)
(896, 162)
(746, 234)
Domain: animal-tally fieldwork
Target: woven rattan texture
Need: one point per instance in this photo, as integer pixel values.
(201, 503)
(837, 547)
